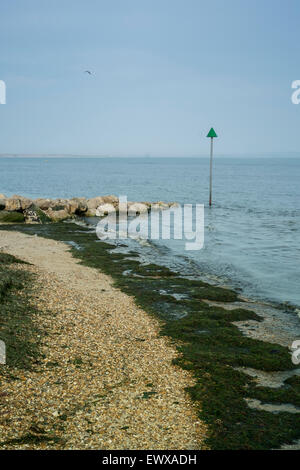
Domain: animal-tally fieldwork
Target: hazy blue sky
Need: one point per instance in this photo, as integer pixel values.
(164, 71)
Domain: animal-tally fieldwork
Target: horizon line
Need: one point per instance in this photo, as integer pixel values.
(144, 156)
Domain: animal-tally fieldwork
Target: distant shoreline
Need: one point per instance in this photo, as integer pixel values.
(279, 155)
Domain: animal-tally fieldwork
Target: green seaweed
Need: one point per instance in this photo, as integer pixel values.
(31, 439)
(13, 217)
(288, 392)
(6, 258)
(17, 329)
(44, 219)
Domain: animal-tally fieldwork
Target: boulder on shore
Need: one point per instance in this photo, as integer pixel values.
(94, 202)
(77, 206)
(35, 215)
(137, 208)
(42, 203)
(13, 204)
(103, 203)
(110, 200)
(105, 209)
(57, 215)
(90, 213)
(17, 203)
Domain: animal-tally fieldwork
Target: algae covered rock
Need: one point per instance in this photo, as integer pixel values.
(34, 215)
(11, 217)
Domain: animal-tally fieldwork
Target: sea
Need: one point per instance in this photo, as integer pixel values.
(251, 232)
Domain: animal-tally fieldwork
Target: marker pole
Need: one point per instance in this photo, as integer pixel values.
(212, 135)
(210, 173)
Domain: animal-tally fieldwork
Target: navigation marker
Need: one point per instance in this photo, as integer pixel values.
(212, 135)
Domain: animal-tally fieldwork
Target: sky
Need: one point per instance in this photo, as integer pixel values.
(163, 73)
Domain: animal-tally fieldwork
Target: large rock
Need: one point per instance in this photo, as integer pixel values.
(35, 215)
(59, 204)
(159, 206)
(90, 213)
(110, 200)
(17, 203)
(25, 202)
(77, 206)
(82, 206)
(94, 202)
(72, 207)
(57, 215)
(13, 204)
(137, 208)
(105, 209)
(43, 204)
(2, 196)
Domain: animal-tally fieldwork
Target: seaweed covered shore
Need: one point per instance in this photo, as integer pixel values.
(86, 367)
(209, 342)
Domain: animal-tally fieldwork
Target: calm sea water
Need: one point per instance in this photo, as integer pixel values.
(252, 234)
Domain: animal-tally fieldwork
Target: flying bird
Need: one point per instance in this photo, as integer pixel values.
(88, 71)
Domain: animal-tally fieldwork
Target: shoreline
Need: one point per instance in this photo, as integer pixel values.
(216, 280)
(210, 344)
(117, 385)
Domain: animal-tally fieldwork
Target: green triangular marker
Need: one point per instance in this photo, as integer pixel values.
(212, 133)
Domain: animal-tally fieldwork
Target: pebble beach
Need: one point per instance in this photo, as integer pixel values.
(106, 380)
